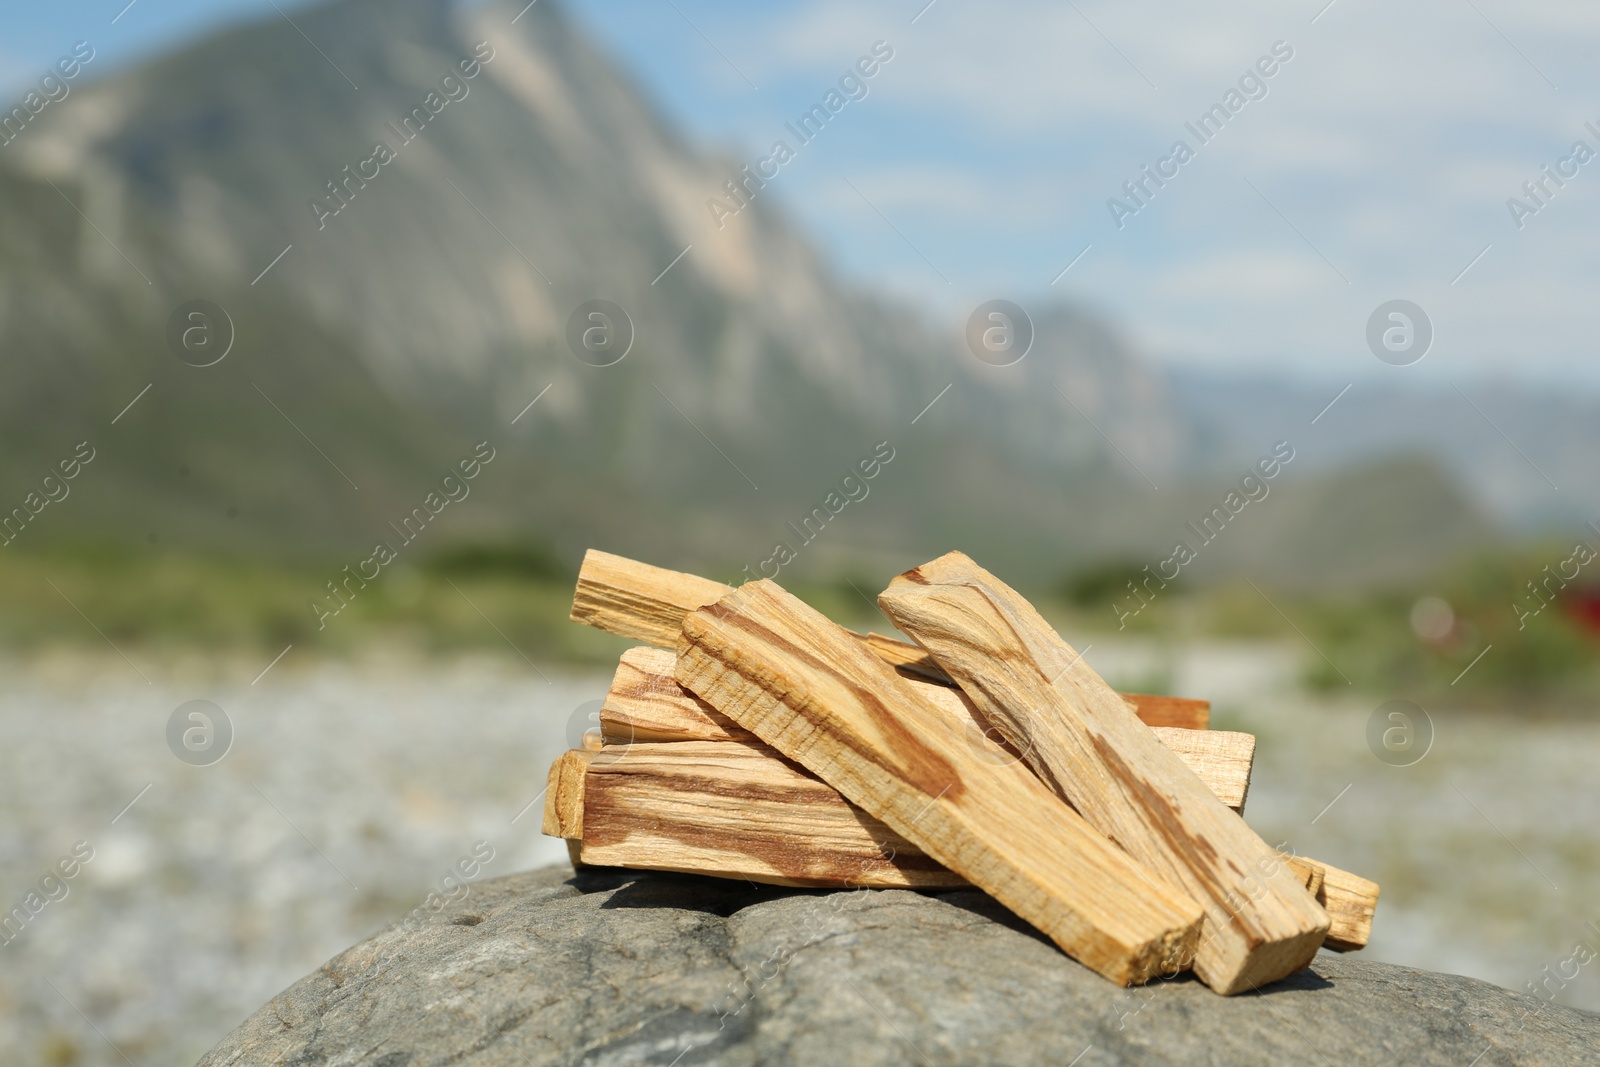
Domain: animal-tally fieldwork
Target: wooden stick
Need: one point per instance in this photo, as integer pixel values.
(622, 596)
(739, 810)
(1080, 738)
(809, 689)
(563, 794)
(1350, 900)
(632, 599)
(645, 703)
(1180, 713)
(1313, 874)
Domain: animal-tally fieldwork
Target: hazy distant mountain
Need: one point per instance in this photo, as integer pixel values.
(1524, 457)
(436, 232)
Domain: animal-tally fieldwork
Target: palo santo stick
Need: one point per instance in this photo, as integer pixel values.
(645, 703)
(809, 689)
(739, 810)
(632, 599)
(1178, 712)
(1081, 739)
(1350, 900)
(1311, 872)
(1219, 758)
(563, 794)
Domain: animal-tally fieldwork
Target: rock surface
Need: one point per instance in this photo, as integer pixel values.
(614, 967)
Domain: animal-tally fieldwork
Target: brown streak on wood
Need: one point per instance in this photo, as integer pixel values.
(899, 752)
(645, 703)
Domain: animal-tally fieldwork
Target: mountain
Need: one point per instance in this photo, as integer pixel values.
(402, 222)
(1521, 455)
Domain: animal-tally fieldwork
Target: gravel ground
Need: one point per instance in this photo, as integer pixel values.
(350, 790)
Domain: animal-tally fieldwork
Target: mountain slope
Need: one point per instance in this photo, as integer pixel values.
(401, 293)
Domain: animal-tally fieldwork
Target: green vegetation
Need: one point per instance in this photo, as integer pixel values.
(513, 598)
(1413, 639)
(476, 597)
(1108, 582)
(1553, 659)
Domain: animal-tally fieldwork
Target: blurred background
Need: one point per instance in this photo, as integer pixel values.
(278, 276)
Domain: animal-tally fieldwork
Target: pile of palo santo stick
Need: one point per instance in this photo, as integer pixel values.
(757, 739)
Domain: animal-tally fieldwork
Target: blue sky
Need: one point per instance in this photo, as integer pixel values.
(1377, 165)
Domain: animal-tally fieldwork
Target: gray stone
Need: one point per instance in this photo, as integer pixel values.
(620, 968)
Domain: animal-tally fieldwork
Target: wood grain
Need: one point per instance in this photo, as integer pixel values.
(631, 599)
(1080, 738)
(739, 810)
(906, 657)
(646, 703)
(812, 691)
(1181, 713)
(1311, 874)
(1351, 902)
(563, 794)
